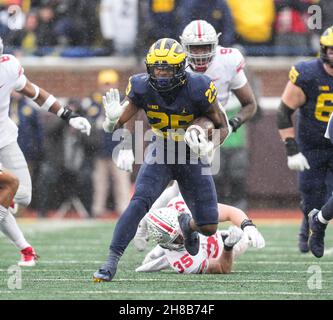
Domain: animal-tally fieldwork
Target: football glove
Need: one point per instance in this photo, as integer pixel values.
(125, 160)
(298, 162)
(81, 124)
(255, 237)
(198, 143)
(233, 235)
(113, 109)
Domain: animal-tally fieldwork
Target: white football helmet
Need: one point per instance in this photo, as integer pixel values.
(199, 33)
(163, 228)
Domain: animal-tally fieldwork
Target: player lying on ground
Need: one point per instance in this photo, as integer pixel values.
(216, 253)
(226, 213)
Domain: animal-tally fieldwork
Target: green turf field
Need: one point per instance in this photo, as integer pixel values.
(71, 251)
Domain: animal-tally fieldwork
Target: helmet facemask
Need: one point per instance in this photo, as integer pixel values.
(324, 56)
(165, 77)
(200, 56)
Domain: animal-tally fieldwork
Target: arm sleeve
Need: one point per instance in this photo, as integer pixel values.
(238, 64)
(130, 91)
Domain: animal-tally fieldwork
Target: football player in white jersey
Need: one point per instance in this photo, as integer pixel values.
(216, 253)
(225, 66)
(12, 78)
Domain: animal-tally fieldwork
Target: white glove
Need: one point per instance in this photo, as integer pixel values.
(255, 237)
(298, 162)
(113, 109)
(198, 143)
(234, 234)
(82, 124)
(125, 160)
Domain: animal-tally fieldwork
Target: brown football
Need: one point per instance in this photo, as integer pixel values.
(206, 124)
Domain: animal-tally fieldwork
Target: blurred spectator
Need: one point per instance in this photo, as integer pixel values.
(327, 13)
(78, 153)
(76, 21)
(216, 12)
(25, 39)
(30, 136)
(119, 25)
(105, 173)
(291, 30)
(49, 195)
(254, 20)
(46, 36)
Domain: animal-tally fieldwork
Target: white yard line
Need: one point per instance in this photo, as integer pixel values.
(186, 293)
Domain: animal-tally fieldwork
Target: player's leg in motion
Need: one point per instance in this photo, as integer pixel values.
(13, 159)
(318, 221)
(141, 236)
(199, 193)
(312, 184)
(152, 179)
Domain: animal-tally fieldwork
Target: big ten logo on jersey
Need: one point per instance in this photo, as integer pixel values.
(324, 105)
(293, 75)
(211, 92)
(169, 125)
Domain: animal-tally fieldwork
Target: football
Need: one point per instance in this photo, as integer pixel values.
(205, 123)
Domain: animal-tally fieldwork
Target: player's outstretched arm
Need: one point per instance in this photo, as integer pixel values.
(49, 103)
(249, 106)
(241, 220)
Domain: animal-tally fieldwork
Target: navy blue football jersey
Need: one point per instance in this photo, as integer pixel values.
(192, 100)
(313, 116)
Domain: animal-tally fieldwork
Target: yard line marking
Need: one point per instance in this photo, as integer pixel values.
(172, 280)
(234, 272)
(200, 293)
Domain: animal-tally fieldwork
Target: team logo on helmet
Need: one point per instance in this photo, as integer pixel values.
(165, 64)
(326, 41)
(199, 40)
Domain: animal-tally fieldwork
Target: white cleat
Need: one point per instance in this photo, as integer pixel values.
(28, 257)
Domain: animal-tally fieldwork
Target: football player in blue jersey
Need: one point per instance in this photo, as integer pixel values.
(310, 90)
(172, 99)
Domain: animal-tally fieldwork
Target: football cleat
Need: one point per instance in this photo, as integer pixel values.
(317, 234)
(28, 257)
(107, 271)
(303, 236)
(191, 238)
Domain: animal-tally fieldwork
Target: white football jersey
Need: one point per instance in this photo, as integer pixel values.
(226, 71)
(11, 78)
(210, 248)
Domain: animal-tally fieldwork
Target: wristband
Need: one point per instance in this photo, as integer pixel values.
(291, 146)
(66, 114)
(247, 223)
(235, 123)
(48, 102)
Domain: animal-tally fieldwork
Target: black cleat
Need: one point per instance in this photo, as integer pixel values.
(317, 234)
(191, 238)
(303, 236)
(107, 271)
